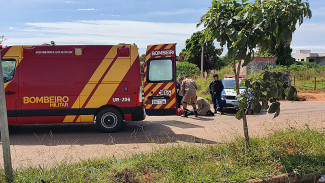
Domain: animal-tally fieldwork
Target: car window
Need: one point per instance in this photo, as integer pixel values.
(8, 69)
(160, 70)
(230, 83)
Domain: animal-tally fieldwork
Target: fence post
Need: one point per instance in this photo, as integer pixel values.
(294, 81)
(4, 130)
(315, 84)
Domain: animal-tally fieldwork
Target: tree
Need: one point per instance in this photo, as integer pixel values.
(193, 50)
(244, 26)
(186, 68)
(2, 39)
(180, 57)
(142, 59)
(283, 54)
(225, 60)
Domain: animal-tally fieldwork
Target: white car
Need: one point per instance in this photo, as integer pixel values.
(228, 95)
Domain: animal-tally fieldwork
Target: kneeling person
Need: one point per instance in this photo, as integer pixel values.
(204, 107)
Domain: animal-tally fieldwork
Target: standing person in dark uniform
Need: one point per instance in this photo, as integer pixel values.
(216, 88)
(179, 93)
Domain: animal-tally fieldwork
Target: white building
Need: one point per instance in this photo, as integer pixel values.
(308, 56)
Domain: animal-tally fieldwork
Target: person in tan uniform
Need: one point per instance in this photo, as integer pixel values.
(204, 108)
(189, 92)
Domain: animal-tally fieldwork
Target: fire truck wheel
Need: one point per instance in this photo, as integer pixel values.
(109, 120)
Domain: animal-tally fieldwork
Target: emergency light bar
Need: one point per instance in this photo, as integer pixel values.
(232, 76)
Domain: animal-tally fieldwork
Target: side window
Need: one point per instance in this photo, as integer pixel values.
(160, 70)
(8, 69)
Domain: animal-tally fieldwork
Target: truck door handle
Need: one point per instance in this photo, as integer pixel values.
(10, 93)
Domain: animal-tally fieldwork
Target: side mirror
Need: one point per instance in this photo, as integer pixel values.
(5, 78)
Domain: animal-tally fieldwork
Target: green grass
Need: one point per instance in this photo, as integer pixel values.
(308, 86)
(203, 83)
(290, 150)
(305, 75)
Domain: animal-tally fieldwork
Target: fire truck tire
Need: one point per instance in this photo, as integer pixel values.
(109, 120)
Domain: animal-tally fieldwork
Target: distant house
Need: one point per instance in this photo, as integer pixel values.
(259, 63)
(308, 56)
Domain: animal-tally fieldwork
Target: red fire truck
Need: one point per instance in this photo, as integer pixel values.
(85, 84)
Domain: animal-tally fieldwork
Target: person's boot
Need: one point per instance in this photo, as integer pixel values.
(221, 110)
(215, 111)
(196, 114)
(185, 113)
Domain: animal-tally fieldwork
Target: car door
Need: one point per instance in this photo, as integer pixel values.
(160, 80)
(10, 77)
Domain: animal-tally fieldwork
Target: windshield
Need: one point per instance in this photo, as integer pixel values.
(229, 84)
(8, 69)
(161, 70)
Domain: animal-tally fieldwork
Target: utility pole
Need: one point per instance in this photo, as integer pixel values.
(4, 130)
(202, 59)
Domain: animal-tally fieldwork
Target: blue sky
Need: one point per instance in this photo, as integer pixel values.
(124, 21)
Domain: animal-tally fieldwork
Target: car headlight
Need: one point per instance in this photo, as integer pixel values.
(223, 97)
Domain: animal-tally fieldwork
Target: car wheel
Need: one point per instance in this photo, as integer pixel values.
(109, 120)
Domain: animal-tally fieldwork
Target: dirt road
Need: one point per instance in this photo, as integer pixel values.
(47, 145)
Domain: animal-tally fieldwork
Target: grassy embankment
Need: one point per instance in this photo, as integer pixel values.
(304, 75)
(291, 150)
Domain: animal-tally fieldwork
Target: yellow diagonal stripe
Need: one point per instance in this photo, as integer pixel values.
(149, 47)
(158, 106)
(113, 78)
(171, 102)
(148, 57)
(159, 46)
(165, 88)
(94, 78)
(148, 86)
(153, 90)
(169, 46)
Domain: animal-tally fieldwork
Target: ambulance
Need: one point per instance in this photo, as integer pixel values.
(88, 83)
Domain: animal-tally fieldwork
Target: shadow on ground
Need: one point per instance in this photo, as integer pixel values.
(85, 134)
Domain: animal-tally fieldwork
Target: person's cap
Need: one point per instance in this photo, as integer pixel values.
(216, 75)
(180, 78)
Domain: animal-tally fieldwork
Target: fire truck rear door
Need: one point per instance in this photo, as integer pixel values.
(160, 80)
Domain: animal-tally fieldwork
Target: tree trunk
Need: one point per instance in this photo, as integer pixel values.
(202, 60)
(245, 126)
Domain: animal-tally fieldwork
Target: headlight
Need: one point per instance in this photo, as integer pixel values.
(223, 97)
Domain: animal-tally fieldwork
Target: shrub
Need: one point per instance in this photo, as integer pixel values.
(186, 68)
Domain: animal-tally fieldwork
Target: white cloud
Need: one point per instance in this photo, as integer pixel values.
(70, 2)
(176, 12)
(308, 36)
(87, 9)
(11, 28)
(105, 32)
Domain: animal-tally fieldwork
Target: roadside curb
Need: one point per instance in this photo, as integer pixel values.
(286, 178)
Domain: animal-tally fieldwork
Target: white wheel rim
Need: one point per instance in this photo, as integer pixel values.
(109, 120)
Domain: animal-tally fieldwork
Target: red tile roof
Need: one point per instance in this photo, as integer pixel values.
(260, 59)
